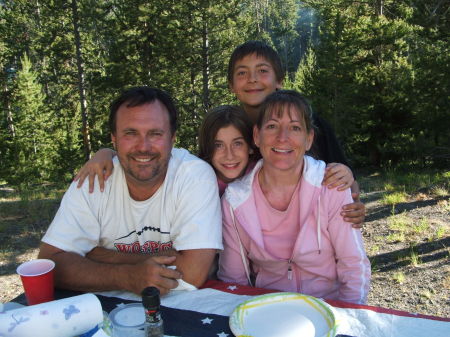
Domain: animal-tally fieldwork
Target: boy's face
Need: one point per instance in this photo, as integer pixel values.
(253, 80)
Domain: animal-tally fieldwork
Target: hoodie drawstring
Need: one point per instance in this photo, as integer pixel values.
(319, 238)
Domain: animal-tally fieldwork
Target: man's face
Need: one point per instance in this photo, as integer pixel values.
(143, 141)
(254, 79)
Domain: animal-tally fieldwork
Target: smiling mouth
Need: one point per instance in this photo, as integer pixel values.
(142, 160)
(281, 150)
(231, 166)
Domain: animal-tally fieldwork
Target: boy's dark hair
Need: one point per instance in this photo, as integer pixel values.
(137, 96)
(261, 49)
(275, 103)
(218, 118)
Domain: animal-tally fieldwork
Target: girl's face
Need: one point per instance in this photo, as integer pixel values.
(231, 154)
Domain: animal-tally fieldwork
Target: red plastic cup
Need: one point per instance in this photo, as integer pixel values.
(37, 280)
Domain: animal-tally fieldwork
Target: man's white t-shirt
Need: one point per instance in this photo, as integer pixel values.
(183, 214)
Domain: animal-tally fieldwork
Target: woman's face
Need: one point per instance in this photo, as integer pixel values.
(231, 153)
(284, 140)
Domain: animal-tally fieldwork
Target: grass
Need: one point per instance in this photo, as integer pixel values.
(399, 222)
(441, 231)
(427, 294)
(439, 191)
(407, 182)
(422, 227)
(394, 198)
(399, 277)
(34, 205)
(414, 257)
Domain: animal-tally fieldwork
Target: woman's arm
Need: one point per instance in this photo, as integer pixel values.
(353, 266)
(101, 165)
(231, 267)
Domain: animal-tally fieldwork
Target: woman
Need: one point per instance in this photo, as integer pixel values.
(282, 229)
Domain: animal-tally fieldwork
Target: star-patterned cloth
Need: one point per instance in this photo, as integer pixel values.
(205, 313)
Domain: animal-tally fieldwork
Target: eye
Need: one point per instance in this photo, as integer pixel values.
(263, 70)
(156, 134)
(218, 145)
(271, 126)
(296, 128)
(241, 73)
(238, 143)
(130, 132)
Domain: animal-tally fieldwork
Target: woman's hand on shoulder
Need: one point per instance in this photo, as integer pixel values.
(338, 175)
(101, 165)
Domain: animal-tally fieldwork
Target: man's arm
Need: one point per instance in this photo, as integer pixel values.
(194, 264)
(75, 272)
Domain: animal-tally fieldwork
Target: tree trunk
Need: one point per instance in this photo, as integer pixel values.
(205, 66)
(81, 82)
(9, 116)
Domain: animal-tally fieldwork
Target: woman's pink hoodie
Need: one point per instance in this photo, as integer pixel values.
(328, 259)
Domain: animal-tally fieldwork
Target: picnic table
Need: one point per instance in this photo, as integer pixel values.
(205, 312)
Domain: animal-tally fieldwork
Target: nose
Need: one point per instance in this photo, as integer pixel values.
(143, 144)
(253, 76)
(229, 154)
(283, 134)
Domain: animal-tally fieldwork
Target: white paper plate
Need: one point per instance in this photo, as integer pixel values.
(283, 315)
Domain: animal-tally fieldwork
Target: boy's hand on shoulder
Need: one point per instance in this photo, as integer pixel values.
(354, 212)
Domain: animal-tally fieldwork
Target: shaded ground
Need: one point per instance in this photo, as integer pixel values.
(409, 272)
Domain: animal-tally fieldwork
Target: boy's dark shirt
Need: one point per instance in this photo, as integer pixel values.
(326, 146)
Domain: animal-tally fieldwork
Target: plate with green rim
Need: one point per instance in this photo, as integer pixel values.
(283, 314)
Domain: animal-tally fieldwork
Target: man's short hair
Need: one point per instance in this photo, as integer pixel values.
(137, 96)
(261, 49)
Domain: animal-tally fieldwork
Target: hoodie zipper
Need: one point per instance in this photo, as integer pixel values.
(289, 273)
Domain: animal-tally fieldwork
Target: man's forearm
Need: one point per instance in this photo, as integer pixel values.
(78, 273)
(193, 264)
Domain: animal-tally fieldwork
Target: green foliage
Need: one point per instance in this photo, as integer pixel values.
(31, 154)
(378, 75)
(368, 80)
(394, 198)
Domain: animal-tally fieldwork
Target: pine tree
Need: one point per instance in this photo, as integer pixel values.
(31, 144)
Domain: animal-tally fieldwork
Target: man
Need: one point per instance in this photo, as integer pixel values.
(160, 207)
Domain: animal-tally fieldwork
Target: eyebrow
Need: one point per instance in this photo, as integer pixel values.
(234, 139)
(276, 120)
(150, 130)
(258, 65)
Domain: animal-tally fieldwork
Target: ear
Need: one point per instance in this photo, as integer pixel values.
(113, 140)
(230, 86)
(256, 136)
(279, 85)
(309, 140)
(174, 137)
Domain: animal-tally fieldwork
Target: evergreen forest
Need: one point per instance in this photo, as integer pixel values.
(377, 70)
